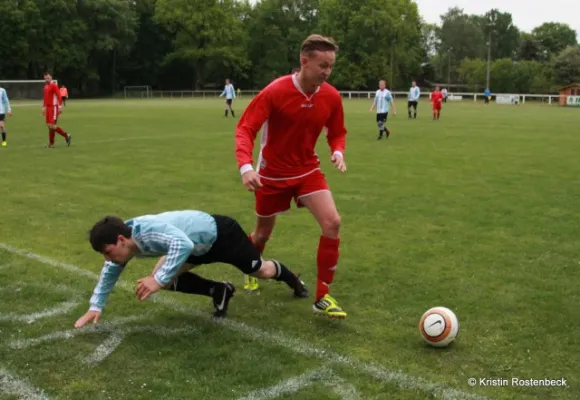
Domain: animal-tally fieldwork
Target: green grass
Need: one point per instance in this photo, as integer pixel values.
(477, 212)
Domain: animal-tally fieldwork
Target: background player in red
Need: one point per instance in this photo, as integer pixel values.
(294, 110)
(51, 108)
(436, 100)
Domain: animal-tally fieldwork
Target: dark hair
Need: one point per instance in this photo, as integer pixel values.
(318, 43)
(106, 231)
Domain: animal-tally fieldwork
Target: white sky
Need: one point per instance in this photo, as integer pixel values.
(526, 14)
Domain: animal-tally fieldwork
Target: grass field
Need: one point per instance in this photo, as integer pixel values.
(478, 212)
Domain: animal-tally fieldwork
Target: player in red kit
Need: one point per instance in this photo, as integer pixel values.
(51, 108)
(293, 111)
(436, 100)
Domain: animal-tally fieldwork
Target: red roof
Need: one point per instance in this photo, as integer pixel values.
(570, 85)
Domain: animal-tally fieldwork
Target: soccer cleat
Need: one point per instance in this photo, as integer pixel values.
(50, 146)
(300, 290)
(4, 144)
(328, 307)
(251, 285)
(68, 139)
(221, 299)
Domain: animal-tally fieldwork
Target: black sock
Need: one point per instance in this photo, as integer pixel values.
(283, 274)
(409, 113)
(226, 113)
(3, 136)
(415, 115)
(191, 283)
(233, 115)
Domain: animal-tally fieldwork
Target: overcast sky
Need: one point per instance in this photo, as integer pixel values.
(526, 14)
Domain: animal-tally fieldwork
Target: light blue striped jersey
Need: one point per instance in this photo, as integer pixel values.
(176, 234)
(4, 102)
(229, 91)
(383, 100)
(414, 93)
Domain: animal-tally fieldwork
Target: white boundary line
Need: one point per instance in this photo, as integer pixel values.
(400, 379)
(324, 376)
(11, 385)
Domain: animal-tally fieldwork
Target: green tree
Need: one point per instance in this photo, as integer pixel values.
(463, 34)
(207, 32)
(554, 37)
(567, 65)
(505, 36)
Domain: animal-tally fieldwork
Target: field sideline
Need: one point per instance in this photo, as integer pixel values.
(477, 212)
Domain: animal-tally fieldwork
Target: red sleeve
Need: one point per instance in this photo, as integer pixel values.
(56, 91)
(249, 124)
(336, 134)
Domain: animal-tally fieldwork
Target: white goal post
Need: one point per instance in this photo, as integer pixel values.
(137, 92)
(24, 89)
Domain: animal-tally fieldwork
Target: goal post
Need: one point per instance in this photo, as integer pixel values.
(137, 92)
(24, 89)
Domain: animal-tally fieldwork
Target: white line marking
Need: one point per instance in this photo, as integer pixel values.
(376, 371)
(324, 376)
(63, 308)
(13, 386)
(106, 348)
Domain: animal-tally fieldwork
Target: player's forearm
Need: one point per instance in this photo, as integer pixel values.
(244, 149)
(109, 276)
(179, 252)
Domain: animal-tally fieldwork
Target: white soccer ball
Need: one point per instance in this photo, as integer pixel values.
(439, 326)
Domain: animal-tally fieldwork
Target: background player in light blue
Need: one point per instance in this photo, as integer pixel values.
(4, 111)
(413, 101)
(230, 94)
(383, 100)
(183, 240)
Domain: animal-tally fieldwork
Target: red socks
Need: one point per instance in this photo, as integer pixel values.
(326, 260)
(51, 137)
(60, 131)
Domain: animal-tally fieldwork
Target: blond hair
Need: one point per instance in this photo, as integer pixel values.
(318, 43)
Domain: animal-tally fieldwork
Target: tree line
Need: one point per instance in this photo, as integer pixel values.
(96, 47)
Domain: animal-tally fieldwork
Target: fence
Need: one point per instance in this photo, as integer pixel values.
(462, 96)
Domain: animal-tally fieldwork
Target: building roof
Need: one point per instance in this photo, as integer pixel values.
(570, 85)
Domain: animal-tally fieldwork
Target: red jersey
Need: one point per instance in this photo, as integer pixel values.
(436, 97)
(52, 95)
(292, 122)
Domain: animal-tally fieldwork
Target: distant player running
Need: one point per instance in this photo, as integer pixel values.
(51, 109)
(230, 94)
(383, 99)
(436, 100)
(4, 111)
(294, 110)
(414, 94)
(185, 239)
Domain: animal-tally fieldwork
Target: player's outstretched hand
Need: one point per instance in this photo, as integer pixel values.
(146, 287)
(338, 162)
(251, 181)
(94, 316)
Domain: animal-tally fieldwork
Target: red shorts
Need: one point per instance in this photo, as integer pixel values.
(437, 107)
(275, 196)
(51, 114)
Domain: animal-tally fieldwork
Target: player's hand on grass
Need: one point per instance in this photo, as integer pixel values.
(338, 162)
(251, 181)
(93, 316)
(146, 287)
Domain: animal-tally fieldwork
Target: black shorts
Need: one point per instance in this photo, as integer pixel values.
(232, 246)
(2, 117)
(382, 117)
(229, 102)
(411, 104)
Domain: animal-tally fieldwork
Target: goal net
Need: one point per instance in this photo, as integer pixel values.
(23, 90)
(137, 92)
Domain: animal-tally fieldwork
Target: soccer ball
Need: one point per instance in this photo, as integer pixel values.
(439, 326)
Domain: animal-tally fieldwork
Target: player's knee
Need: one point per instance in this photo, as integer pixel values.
(261, 236)
(331, 225)
(267, 270)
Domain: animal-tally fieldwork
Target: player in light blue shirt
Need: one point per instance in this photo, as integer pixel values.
(183, 240)
(4, 110)
(230, 94)
(383, 100)
(413, 100)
